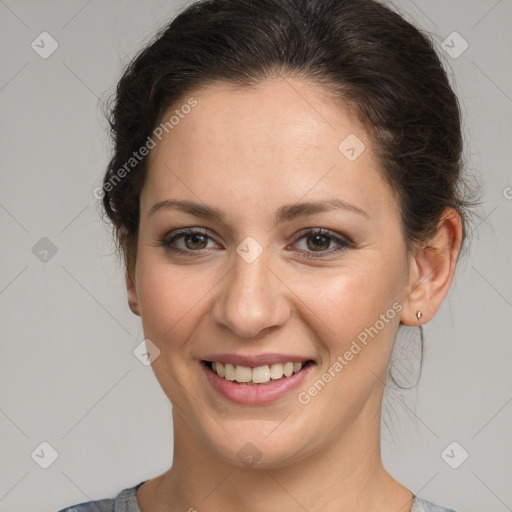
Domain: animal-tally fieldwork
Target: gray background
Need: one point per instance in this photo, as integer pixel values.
(68, 375)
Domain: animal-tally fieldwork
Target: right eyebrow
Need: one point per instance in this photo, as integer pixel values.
(191, 207)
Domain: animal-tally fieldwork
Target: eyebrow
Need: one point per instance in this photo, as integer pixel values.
(284, 213)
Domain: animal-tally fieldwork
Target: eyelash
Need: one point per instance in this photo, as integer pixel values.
(343, 244)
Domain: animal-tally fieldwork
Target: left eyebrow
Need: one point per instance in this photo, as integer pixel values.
(292, 211)
(284, 213)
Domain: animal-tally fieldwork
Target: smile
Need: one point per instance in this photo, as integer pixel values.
(259, 375)
(255, 385)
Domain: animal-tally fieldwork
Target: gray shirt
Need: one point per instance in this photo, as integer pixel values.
(126, 501)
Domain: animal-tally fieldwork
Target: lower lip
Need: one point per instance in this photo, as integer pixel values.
(255, 394)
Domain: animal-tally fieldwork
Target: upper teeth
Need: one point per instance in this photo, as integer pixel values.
(257, 375)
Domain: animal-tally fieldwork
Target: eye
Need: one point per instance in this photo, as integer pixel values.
(186, 241)
(321, 241)
(316, 243)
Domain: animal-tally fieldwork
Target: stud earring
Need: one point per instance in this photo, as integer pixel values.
(419, 314)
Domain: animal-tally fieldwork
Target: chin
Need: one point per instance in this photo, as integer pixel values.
(255, 449)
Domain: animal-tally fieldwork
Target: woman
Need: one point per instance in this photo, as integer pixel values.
(285, 193)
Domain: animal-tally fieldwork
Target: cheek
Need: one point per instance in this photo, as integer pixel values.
(170, 299)
(353, 304)
(349, 297)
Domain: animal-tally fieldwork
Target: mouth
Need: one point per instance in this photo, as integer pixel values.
(256, 385)
(262, 375)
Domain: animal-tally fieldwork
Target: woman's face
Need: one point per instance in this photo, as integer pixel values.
(257, 285)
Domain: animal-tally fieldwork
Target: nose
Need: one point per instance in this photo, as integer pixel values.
(252, 298)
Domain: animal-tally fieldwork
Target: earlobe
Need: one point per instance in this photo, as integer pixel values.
(432, 269)
(133, 301)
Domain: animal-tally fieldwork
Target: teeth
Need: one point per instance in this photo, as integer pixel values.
(276, 371)
(258, 375)
(229, 371)
(243, 374)
(288, 369)
(220, 369)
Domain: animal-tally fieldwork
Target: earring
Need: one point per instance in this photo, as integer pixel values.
(419, 314)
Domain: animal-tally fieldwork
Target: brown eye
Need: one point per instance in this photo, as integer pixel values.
(186, 241)
(195, 241)
(319, 243)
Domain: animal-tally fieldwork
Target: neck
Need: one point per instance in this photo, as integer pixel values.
(346, 475)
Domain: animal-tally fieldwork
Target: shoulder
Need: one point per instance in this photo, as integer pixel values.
(125, 501)
(106, 505)
(421, 505)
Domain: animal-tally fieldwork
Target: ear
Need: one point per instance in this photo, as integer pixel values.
(431, 270)
(131, 289)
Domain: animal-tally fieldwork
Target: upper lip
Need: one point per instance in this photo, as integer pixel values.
(254, 361)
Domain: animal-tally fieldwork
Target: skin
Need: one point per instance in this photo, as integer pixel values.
(248, 152)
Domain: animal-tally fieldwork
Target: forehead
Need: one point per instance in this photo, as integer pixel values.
(283, 113)
(283, 135)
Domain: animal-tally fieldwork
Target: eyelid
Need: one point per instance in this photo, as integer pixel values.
(323, 231)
